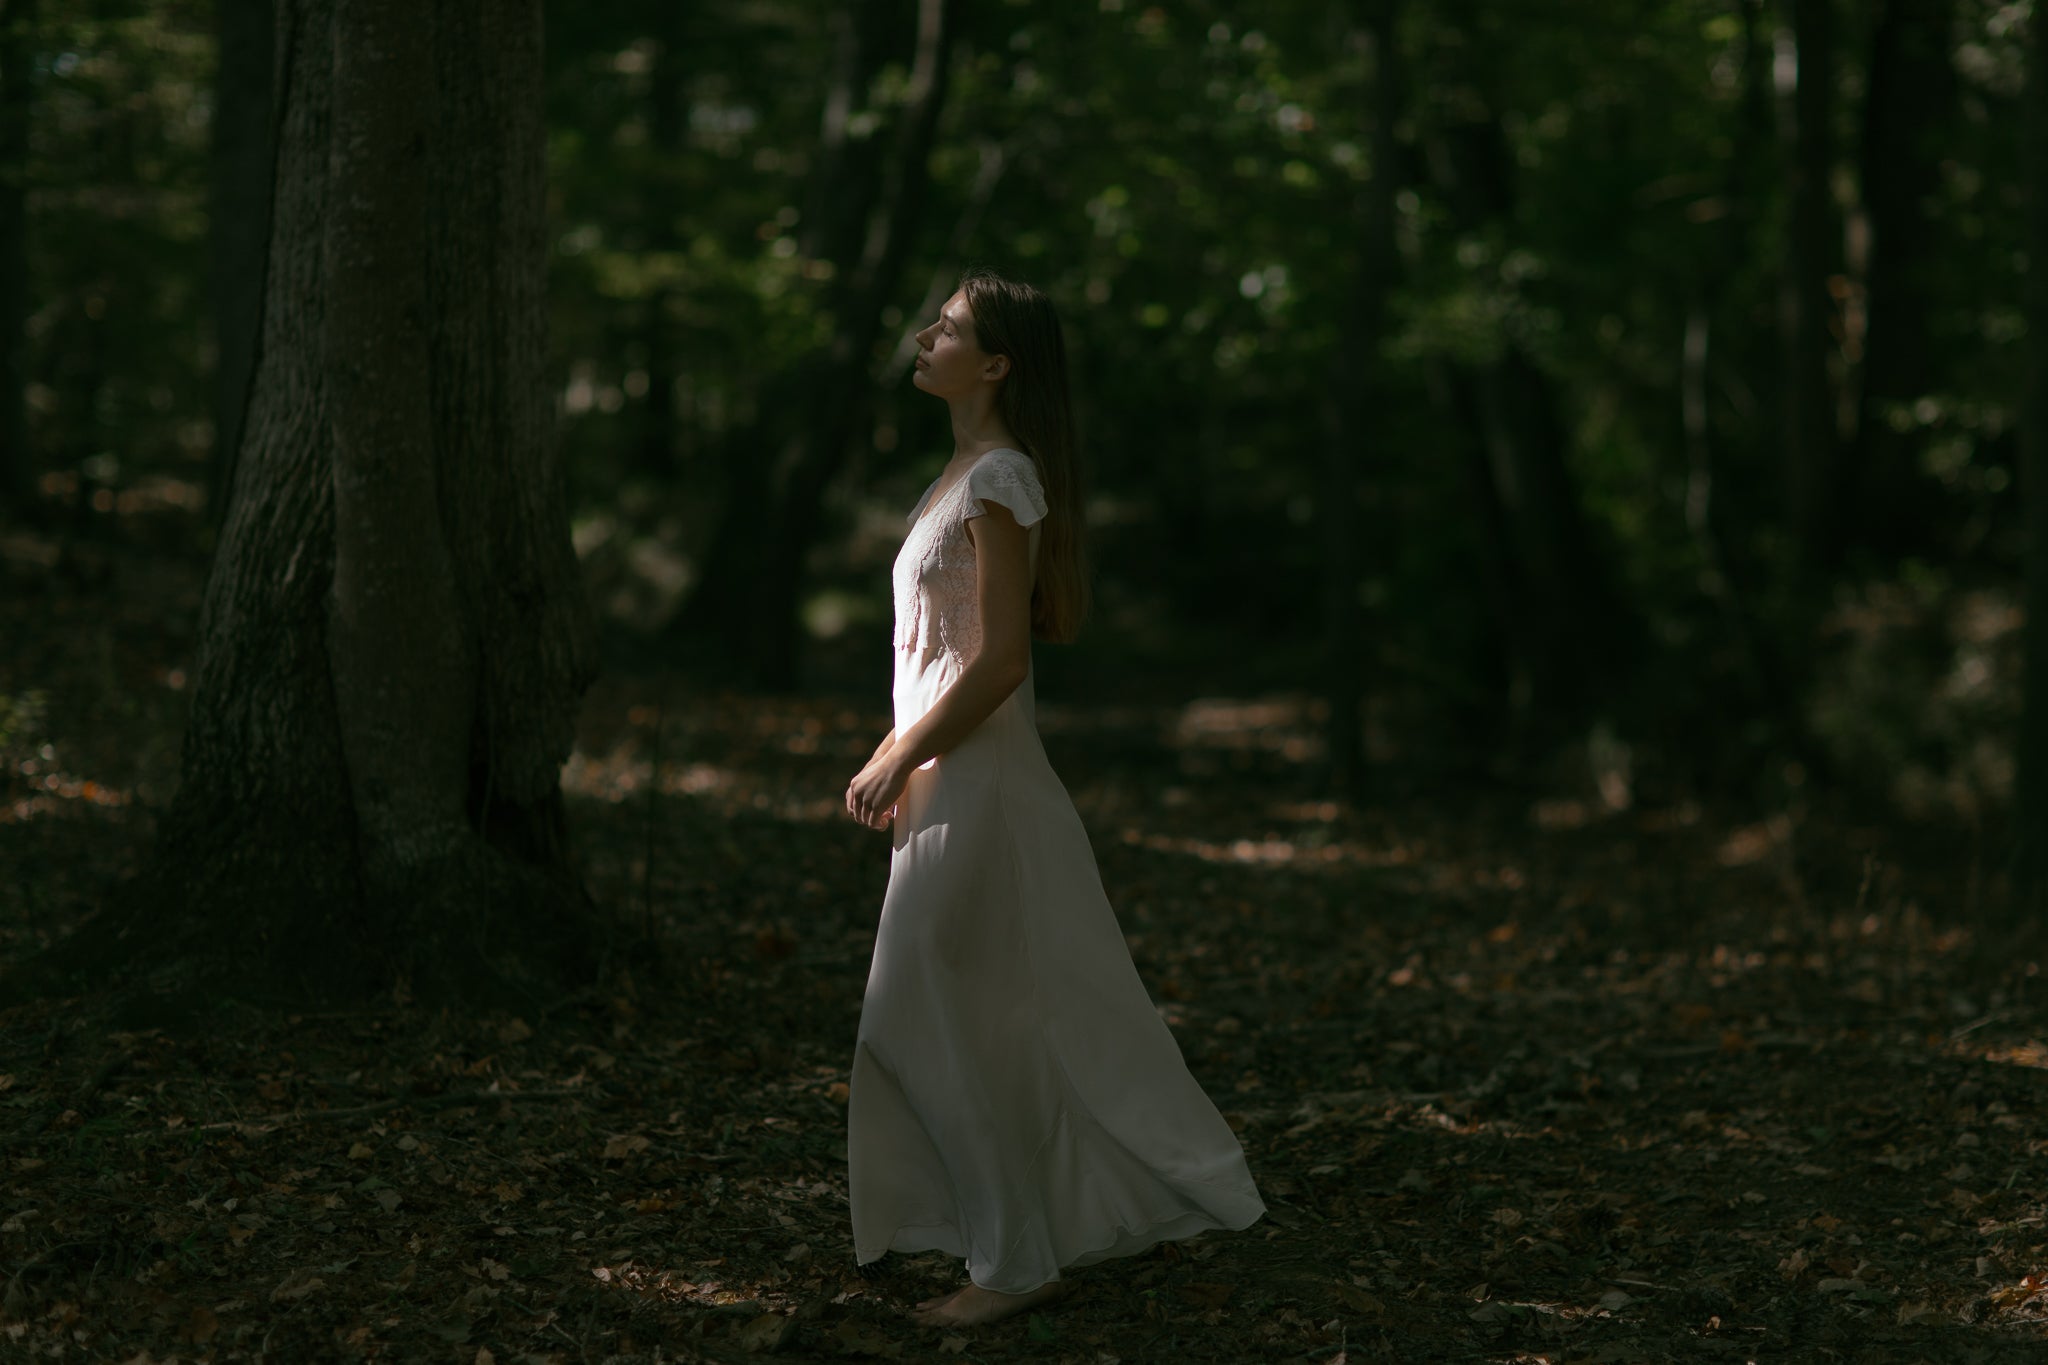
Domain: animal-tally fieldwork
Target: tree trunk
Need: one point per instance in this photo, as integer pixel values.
(1905, 116)
(394, 637)
(2031, 847)
(1357, 383)
(754, 574)
(244, 155)
(1727, 240)
(17, 66)
(1573, 632)
(660, 422)
(1805, 306)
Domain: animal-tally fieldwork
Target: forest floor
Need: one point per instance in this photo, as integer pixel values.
(1521, 1078)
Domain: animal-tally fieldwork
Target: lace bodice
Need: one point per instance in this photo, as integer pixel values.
(937, 603)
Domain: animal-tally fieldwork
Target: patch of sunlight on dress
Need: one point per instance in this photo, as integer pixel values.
(1016, 1099)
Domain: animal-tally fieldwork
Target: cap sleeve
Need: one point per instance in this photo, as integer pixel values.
(1010, 478)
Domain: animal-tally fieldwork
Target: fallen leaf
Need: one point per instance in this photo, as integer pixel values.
(619, 1146)
(200, 1327)
(862, 1339)
(767, 1334)
(296, 1285)
(361, 1151)
(1358, 1301)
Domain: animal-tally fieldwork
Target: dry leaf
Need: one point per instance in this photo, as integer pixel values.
(768, 1333)
(361, 1151)
(1358, 1301)
(862, 1339)
(1206, 1294)
(296, 1285)
(619, 1146)
(200, 1327)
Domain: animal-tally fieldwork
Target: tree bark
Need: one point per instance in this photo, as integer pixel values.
(1359, 380)
(1906, 113)
(243, 155)
(17, 64)
(1805, 306)
(2031, 846)
(394, 638)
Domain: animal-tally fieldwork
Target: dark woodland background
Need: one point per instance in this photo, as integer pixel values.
(1568, 487)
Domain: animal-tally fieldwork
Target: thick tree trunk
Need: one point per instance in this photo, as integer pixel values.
(1805, 305)
(1905, 114)
(394, 638)
(1355, 386)
(2031, 847)
(17, 65)
(244, 156)
(755, 571)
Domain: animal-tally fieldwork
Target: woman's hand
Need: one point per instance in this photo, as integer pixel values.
(871, 796)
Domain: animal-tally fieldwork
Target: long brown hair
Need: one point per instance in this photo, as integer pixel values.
(1017, 320)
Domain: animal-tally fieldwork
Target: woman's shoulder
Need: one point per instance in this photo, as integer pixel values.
(1010, 477)
(1007, 462)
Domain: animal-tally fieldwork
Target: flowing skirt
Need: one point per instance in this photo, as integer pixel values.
(1016, 1100)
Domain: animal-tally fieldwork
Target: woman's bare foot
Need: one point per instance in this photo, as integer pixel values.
(973, 1305)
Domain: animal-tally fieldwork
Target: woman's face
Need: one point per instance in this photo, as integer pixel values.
(950, 362)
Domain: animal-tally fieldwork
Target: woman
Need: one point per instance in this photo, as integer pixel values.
(1016, 1100)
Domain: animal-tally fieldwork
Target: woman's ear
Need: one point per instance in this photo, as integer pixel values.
(998, 366)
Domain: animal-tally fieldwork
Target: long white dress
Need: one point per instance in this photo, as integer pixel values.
(1016, 1099)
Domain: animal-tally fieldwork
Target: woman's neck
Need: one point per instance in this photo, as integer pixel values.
(977, 426)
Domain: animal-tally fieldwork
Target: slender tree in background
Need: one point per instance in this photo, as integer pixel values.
(1805, 305)
(1907, 114)
(860, 219)
(17, 58)
(1711, 324)
(394, 638)
(667, 116)
(1355, 386)
(1564, 626)
(243, 154)
(2031, 846)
